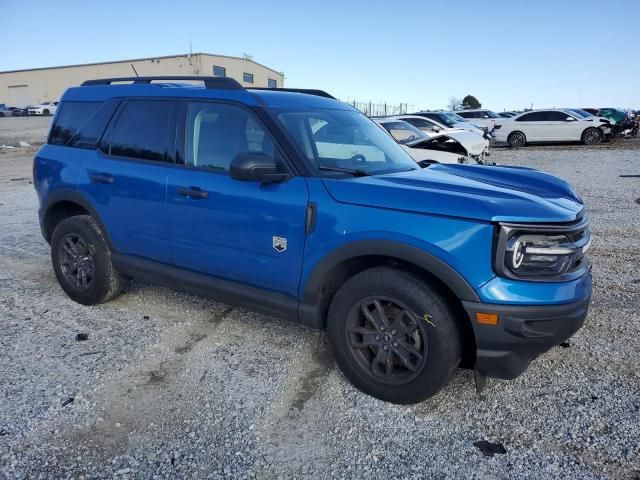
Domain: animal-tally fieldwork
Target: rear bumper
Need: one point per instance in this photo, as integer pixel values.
(523, 332)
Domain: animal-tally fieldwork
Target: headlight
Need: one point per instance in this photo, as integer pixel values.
(543, 252)
(540, 254)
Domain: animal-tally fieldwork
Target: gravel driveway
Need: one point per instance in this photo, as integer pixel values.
(159, 383)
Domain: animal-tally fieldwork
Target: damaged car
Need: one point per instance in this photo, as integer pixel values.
(426, 149)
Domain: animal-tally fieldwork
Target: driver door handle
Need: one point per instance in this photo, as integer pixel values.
(193, 192)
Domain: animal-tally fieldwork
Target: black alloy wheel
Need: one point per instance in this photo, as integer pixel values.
(76, 262)
(387, 339)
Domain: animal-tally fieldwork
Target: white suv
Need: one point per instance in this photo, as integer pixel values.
(549, 125)
(45, 108)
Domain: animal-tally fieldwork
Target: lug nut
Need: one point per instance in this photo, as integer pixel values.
(385, 347)
(393, 332)
(395, 344)
(382, 329)
(377, 338)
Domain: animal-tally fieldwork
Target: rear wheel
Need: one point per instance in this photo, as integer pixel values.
(82, 261)
(592, 136)
(393, 336)
(46, 113)
(517, 139)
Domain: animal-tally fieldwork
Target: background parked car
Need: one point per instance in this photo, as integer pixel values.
(5, 112)
(476, 145)
(451, 120)
(606, 124)
(550, 125)
(18, 112)
(506, 114)
(45, 108)
(423, 149)
(481, 117)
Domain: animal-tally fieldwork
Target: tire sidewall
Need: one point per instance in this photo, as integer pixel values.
(101, 262)
(442, 335)
(512, 135)
(584, 136)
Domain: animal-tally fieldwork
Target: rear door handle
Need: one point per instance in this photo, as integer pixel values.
(193, 192)
(101, 178)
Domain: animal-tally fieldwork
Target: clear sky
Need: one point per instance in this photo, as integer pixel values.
(509, 54)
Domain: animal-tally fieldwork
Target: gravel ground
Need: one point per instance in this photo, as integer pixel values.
(169, 385)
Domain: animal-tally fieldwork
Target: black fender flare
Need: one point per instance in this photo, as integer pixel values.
(73, 196)
(401, 251)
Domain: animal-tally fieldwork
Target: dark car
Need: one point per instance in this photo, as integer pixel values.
(18, 112)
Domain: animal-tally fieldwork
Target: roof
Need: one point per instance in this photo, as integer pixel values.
(251, 97)
(142, 60)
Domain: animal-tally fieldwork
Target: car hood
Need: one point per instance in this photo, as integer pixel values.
(473, 142)
(485, 193)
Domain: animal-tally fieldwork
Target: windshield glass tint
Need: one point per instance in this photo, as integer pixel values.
(403, 132)
(455, 118)
(345, 139)
(491, 114)
(580, 113)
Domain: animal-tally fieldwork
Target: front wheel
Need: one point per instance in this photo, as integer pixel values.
(393, 336)
(592, 136)
(82, 261)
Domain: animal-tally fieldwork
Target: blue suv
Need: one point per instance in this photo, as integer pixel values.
(292, 203)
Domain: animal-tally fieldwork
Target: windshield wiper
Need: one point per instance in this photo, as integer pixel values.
(356, 172)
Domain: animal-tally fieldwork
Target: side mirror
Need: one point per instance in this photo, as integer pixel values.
(569, 119)
(256, 167)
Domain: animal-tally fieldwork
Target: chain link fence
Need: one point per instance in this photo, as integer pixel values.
(371, 109)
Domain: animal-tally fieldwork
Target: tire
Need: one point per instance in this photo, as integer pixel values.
(46, 113)
(422, 323)
(78, 244)
(592, 136)
(517, 139)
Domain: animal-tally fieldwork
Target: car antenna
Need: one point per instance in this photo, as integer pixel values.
(134, 70)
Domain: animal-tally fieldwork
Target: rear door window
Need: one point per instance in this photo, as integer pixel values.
(532, 117)
(145, 129)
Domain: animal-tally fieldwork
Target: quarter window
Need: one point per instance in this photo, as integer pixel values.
(217, 133)
(272, 83)
(219, 71)
(71, 117)
(143, 131)
(247, 77)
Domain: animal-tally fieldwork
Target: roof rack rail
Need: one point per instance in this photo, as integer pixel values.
(211, 83)
(308, 91)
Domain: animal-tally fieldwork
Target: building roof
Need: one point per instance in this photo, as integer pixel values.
(141, 60)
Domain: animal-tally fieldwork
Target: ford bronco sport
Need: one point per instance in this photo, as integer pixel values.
(292, 203)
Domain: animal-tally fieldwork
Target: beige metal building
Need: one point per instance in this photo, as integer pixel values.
(19, 88)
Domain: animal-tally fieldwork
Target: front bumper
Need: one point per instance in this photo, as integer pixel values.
(523, 332)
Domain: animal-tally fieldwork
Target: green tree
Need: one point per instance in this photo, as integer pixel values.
(470, 102)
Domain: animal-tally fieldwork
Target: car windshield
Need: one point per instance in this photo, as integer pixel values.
(449, 118)
(403, 132)
(491, 114)
(580, 113)
(347, 140)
